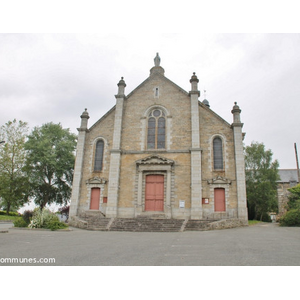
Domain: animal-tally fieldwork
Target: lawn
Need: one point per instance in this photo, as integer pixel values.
(253, 222)
(7, 218)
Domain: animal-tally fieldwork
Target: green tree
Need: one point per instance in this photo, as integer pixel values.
(50, 163)
(261, 181)
(14, 185)
(292, 216)
(294, 197)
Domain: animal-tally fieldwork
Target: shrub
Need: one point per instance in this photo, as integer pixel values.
(39, 218)
(46, 219)
(291, 218)
(20, 222)
(27, 216)
(56, 224)
(11, 213)
(50, 218)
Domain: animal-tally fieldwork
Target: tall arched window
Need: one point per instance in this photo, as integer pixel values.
(98, 164)
(218, 153)
(156, 135)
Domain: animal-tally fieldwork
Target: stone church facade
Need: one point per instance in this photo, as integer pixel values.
(160, 152)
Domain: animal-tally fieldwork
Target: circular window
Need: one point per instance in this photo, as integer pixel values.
(156, 113)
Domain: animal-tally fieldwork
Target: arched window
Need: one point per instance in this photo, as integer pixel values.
(156, 135)
(99, 156)
(218, 153)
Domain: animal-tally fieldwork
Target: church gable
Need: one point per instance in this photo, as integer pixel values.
(173, 104)
(159, 150)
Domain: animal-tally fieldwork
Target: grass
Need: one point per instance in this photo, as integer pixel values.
(8, 218)
(253, 222)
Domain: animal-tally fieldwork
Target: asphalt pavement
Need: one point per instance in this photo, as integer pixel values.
(265, 244)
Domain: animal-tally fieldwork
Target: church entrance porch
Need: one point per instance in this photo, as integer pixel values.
(154, 193)
(154, 185)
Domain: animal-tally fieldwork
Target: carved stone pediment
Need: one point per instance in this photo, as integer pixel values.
(155, 160)
(219, 180)
(96, 180)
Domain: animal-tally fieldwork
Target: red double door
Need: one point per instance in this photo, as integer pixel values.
(154, 193)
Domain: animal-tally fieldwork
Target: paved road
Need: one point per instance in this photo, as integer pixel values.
(259, 245)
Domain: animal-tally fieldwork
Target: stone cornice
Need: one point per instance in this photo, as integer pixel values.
(196, 149)
(219, 180)
(194, 92)
(96, 180)
(148, 151)
(237, 124)
(83, 129)
(154, 160)
(120, 96)
(115, 151)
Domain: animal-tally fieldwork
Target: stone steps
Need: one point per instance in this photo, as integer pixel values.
(197, 225)
(146, 225)
(100, 224)
(97, 221)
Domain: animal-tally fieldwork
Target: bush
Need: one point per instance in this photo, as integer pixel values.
(46, 219)
(56, 224)
(20, 222)
(11, 213)
(291, 218)
(27, 216)
(50, 219)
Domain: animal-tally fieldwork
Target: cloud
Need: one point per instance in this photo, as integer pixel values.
(54, 77)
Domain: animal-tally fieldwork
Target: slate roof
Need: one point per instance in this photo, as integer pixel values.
(287, 175)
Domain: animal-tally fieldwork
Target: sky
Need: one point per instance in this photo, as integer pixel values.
(53, 77)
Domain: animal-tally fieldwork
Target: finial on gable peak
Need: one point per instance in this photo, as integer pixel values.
(157, 69)
(157, 60)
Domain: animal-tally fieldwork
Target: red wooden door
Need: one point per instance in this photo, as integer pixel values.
(220, 199)
(95, 198)
(154, 194)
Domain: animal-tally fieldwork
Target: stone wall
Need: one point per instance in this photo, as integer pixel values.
(225, 224)
(160, 92)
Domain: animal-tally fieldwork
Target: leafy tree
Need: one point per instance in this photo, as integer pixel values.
(261, 181)
(13, 180)
(292, 216)
(294, 197)
(50, 163)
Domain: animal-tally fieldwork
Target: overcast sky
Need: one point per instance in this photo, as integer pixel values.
(54, 77)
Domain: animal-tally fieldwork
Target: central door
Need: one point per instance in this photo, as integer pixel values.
(95, 198)
(154, 194)
(220, 199)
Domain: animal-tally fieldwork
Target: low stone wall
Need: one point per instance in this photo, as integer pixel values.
(76, 222)
(226, 223)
